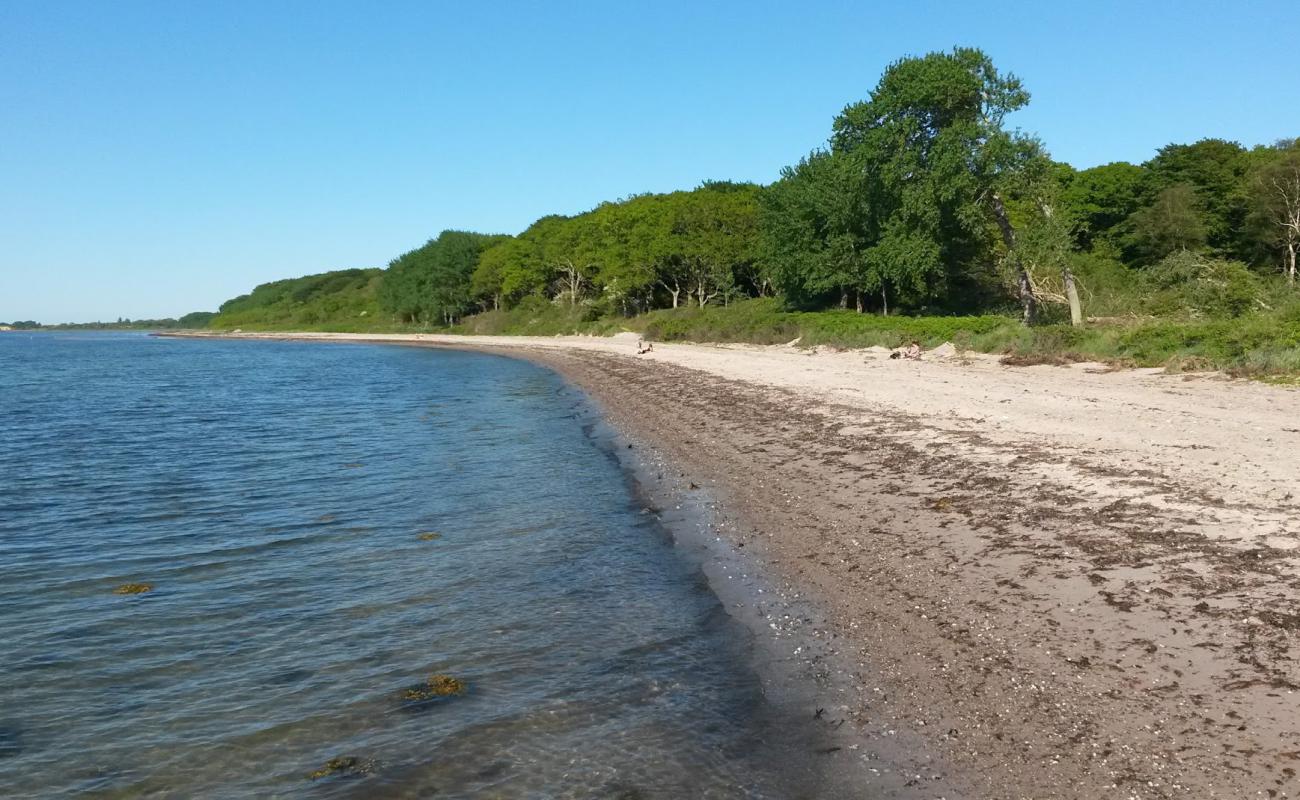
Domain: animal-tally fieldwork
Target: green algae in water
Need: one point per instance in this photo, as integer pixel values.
(429, 536)
(134, 588)
(437, 686)
(343, 765)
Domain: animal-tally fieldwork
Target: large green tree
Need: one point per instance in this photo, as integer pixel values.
(1217, 171)
(432, 283)
(1275, 204)
(1101, 198)
(936, 162)
(1173, 222)
(816, 229)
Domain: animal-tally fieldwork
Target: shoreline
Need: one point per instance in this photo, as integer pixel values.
(806, 682)
(1064, 582)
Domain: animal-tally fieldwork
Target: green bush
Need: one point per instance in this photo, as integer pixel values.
(1107, 287)
(1204, 287)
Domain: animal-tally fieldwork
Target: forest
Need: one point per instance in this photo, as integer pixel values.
(923, 215)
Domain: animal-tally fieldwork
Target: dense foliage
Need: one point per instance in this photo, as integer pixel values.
(344, 299)
(923, 201)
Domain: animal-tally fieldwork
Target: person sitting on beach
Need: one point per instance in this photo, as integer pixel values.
(643, 347)
(912, 352)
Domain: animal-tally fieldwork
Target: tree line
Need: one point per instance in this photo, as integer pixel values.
(923, 200)
(192, 321)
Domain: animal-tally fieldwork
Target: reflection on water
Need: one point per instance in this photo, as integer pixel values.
(275, 495)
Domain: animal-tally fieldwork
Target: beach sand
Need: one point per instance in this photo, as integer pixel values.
(1006, 582)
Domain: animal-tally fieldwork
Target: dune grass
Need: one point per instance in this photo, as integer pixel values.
(1257, 344)
(1262, 342)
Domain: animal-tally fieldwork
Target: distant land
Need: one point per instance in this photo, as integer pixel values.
(192, 321)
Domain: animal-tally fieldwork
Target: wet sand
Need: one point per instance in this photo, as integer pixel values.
(1006, 582)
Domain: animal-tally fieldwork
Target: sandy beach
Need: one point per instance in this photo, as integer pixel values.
(1011, 582)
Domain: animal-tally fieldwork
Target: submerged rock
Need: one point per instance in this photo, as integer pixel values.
(435, 687)
(133, 588)
(429, 536)
(343, 765)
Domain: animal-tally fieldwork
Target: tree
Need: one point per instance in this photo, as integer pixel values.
(1172, 223)
(631, 238)
(937, 162)
(1276, 205)
(433, 282)
(714, 232)
(1101, 198)
(1044, 249)
(571, 251)
(815, 229)
(1217, 170)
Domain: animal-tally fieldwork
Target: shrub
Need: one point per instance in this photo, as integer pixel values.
(1205, 287)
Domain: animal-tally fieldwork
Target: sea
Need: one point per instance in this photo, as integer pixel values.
(322, 528)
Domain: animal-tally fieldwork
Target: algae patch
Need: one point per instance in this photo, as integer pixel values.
(437, 686)
(134, 588)
(343, 765)
(429, 536)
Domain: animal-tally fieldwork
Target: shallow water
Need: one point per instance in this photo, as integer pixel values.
(274, 493)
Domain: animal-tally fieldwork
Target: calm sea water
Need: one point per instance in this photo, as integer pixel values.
(274, 494)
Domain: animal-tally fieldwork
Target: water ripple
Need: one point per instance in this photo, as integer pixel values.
(274, 495)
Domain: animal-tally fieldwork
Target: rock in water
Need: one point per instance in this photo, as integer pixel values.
(435, 687)
(343, 765)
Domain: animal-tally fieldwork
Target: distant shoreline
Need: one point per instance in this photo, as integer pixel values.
(1043, 578)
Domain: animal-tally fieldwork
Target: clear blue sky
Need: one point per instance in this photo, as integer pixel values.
(158, 158)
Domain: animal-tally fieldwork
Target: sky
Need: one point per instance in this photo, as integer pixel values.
(158, 158)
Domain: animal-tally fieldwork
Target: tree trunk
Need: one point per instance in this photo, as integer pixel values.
(1290, 262)
(858, 294)
(1072, 294)
(1028, 303)
(844, 297)
(884, 300)
(573, 280)
(675, 290)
